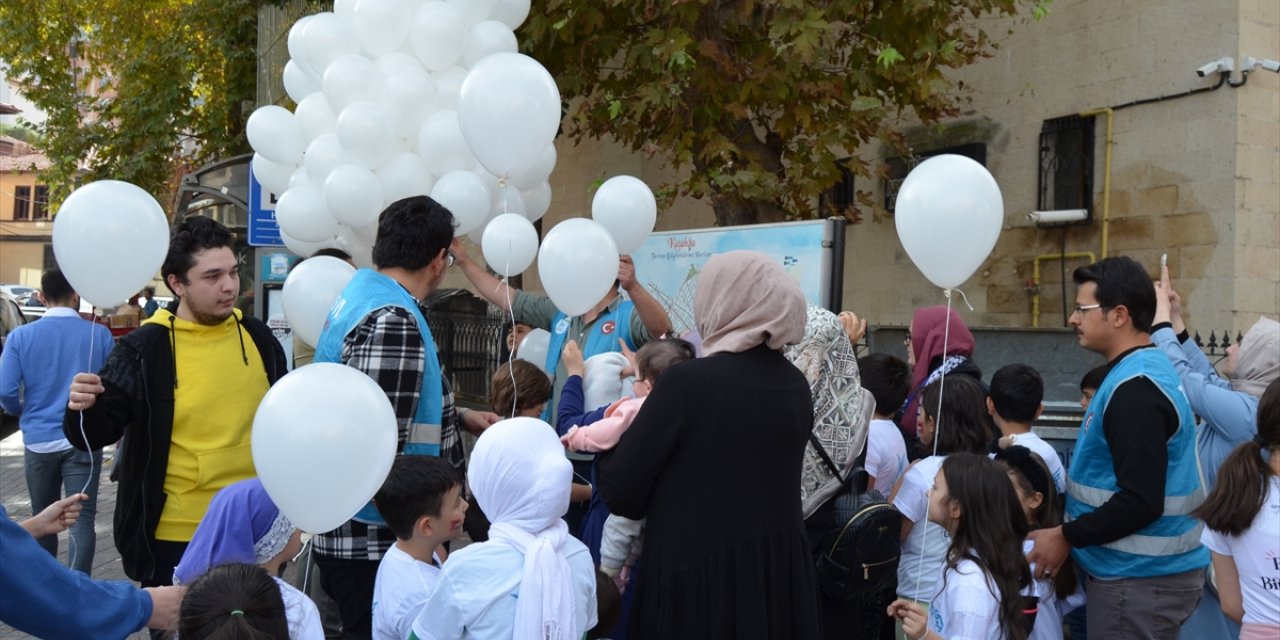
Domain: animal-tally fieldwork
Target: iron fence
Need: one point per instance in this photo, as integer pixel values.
(472, 345)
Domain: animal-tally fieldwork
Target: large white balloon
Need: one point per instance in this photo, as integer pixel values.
(299, 178)
(296, 48)
(536, 201)
(273, 176)
(382, 25)
(326, 38)
(388, 62)
(511, 12)
(472, 11)
(465, 196)
(578, 264)
(441, 145)
(533, 348)
(949, 213)
(322, 156)
(273, 132)
(487, 38)
(315, 117)
(298, 82)
(507, 199)
(354, 195)
(402, 176)
(541, 170)
(349, 78)
(509, 111)
(303, 214)
(328, 430)
(309, 292)
(345, 9)
(437, 34)
(110, 238)
(448, 84)
(510, 244)
(408, 97)
(355, 244)
(365, 134)
(626, 207)
(304, 249)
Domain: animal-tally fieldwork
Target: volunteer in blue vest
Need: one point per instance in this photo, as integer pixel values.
(634, 321)
(1133, 480)
(377, 326)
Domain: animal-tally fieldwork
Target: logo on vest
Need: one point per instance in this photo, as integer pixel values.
(1088, 420)
(608, 327)
(562, 326)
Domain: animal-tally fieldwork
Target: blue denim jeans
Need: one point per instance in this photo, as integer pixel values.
(52, 476)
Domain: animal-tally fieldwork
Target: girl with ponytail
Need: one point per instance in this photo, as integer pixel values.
(233, 602)
(1242, 526)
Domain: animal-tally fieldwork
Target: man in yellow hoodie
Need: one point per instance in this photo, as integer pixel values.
(182, 390)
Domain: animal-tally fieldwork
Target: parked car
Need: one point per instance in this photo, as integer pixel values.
(11, 317)
(19, 292)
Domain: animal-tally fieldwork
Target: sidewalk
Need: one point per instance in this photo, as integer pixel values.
(13, 494)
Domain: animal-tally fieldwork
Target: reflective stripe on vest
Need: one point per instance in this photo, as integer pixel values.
(1173, 505)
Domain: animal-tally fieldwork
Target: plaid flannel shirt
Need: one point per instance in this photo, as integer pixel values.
(388, 347)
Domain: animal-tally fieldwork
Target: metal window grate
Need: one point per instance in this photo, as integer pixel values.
(1065, 178)
(900, 166)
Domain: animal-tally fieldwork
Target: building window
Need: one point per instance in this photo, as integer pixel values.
(1066, 165)
(22, 203)
(841, 197)
(900, 166)
(40, 204)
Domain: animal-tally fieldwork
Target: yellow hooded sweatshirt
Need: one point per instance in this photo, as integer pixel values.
(220, 381)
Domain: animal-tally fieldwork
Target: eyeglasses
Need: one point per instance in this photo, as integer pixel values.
(1081, 308)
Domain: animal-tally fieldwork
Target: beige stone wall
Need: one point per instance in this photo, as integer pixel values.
(20, 262)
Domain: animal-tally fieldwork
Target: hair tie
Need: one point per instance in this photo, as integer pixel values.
(237, 612)
(1262, 442)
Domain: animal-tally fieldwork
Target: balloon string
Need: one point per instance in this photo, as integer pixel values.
(937, 430)
(511, 353)
(947, 293)
(72, 550)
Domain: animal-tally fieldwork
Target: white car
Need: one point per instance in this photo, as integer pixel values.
(19, 292)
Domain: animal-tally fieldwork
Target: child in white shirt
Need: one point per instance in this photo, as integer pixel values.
(1016, 400)
(889, 381)
(421, 501)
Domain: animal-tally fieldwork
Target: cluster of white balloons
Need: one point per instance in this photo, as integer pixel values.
(397, 98)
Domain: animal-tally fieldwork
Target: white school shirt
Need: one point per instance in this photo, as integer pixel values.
(1046, 452)
(886, 454)
(301, 612)
(965, 607)
(1256, 553)
(1048, 624)
(475, 598)
(926, 538)
(400, 590)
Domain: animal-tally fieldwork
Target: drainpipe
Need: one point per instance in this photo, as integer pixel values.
(1106, 174)
(1035, 278)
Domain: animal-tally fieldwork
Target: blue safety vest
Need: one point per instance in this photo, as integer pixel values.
(1171, 544)
(608, 327)
(367, 291)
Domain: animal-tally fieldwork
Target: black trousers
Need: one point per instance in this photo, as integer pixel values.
(350, 584)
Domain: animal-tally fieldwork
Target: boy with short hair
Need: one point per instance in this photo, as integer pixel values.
(421, 501)
(1015, 401)
(889, 381)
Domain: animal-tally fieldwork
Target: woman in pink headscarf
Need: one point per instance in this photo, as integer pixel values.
(930, 327)
(712, 460)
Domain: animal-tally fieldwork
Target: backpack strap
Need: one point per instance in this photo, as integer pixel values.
(858, 471)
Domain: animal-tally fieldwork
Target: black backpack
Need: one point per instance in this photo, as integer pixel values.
(858, 555)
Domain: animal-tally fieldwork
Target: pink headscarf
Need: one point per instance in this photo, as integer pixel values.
(746, 299)
(928, 330)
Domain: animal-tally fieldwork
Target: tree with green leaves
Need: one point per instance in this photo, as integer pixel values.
(134, 90)
(756, 102)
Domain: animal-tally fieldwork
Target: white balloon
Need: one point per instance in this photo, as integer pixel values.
(299, 179)
(441, 145)
(315, 117)
(578, 264)
(309, 292)
(437, 34)
(382, 25)
(472, 11)
(448, 85)
(294, 45)
(328, 430)
(487, 38)
(354, 195)
(303, 214)
(533, 348)
(402, 176)
(273, 132)
(536, 201)
(511, 12)
(540, 172)
(949, 213)
(364, 134)
(477, 234)
(509, 111)
(273, 176)
(510, 244)
(345, 9)
(507, 199)
(110, 239)
(298, 82)
(325, 39)
(348, 79)
(305, 249)
(323, 154)
(465, 196)
(360, 249)
(388, 62)
(626, 207)
(408, 97)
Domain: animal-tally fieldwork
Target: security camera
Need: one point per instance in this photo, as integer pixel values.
(1249, 63)
(1221, 65)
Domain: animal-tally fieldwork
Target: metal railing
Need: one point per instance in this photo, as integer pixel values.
(471, 347)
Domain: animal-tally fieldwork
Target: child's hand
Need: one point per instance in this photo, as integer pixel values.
(623, 579)
(854, 326)
(571, 356)
(631, 369)
(912, 617)
(57, 517)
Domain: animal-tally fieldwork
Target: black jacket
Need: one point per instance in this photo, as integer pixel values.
(138, 401)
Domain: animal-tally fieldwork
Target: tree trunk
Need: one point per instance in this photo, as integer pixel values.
(731, 210)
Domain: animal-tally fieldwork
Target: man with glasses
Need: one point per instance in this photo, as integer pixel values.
(1133, 480)
(377, 325)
